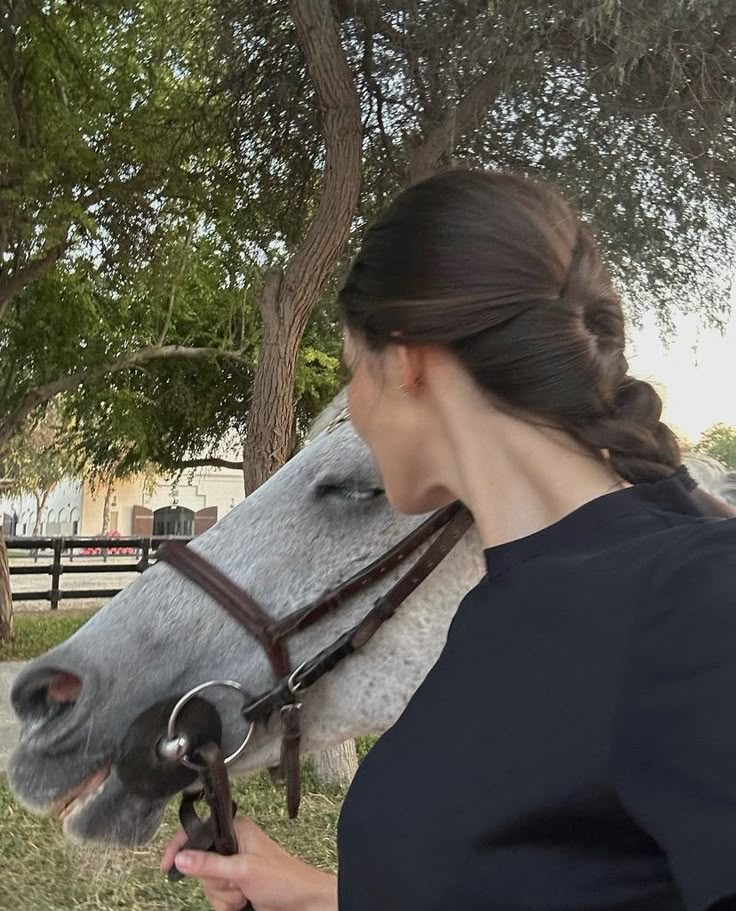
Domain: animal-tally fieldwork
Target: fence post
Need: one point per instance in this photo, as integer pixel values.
(144, 549)
(56, 573)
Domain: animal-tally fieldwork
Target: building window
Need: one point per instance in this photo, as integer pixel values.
(173, 520)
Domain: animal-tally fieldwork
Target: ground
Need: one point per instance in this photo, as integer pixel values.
(8, 670)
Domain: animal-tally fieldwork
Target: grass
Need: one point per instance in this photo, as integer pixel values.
(40, 871)
(37, 633)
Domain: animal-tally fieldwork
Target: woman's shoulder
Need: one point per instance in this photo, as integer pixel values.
(694, 570)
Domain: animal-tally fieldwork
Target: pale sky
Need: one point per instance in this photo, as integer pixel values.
(695, 371)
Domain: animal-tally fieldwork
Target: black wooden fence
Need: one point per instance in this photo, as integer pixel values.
(56, 567)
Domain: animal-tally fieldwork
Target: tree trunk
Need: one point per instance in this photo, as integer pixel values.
(106, 508)
(7, 626)
(336, 766)
(268, 437)
(41, 500)
(289, 296)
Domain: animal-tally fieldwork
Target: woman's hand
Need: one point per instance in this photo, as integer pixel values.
(262, 873)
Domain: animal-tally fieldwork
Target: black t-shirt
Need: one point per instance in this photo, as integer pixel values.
(574, 746)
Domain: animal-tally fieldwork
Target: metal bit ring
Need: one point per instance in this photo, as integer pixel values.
(177, 742)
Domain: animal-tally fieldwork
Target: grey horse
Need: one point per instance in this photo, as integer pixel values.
(317, 521)
(713, 476)
(321, 518)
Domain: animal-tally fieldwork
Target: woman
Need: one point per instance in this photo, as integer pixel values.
(574, 747)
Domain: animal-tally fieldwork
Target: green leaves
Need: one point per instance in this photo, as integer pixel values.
(719, 441)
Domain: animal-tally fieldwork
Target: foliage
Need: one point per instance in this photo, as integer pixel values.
(629, 108)
(35, 462)
(719, 442)
(176, 409)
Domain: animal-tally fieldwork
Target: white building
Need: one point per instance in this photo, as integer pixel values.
(188, 507)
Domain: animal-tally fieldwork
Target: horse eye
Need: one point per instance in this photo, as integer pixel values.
(346, 491)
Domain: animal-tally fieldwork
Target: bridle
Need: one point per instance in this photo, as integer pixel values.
(185, 751)
(449, 525)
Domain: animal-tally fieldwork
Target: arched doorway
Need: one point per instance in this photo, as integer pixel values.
(173, 520)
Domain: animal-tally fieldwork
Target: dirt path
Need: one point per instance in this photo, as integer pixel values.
(8, 723)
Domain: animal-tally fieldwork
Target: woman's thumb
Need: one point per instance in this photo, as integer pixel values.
(213, 866)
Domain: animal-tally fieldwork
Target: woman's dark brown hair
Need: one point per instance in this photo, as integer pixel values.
(500, 270)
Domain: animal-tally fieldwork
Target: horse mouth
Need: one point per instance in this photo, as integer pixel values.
(73, 801)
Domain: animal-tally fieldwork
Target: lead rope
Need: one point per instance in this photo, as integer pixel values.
(216, 832)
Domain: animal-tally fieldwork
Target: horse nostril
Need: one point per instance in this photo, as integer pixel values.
(64, 687)
(45, 693)
(53, 703)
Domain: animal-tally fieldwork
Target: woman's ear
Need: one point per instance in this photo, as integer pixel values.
(407, 367)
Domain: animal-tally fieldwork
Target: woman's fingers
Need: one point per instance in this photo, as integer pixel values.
(219, 891)
(262, 872)
(248, 834)
(172, 849)
(225, 905)
(222, 878)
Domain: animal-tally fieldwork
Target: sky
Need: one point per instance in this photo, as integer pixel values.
(695, 372)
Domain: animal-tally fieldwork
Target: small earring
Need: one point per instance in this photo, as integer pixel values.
(404, 390)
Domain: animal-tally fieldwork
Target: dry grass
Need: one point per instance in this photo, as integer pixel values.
(39, 871)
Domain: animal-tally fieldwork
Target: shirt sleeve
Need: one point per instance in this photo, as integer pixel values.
(674, 744)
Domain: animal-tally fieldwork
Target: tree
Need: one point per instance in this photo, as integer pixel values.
(33, 463)
(719, 442)
(429, 75)
(106, 165)
(120, 167)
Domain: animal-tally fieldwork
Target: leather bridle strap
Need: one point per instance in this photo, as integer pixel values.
(235, 600)
(367, 576)
(386, 606)
(354, 638)
(270, 634)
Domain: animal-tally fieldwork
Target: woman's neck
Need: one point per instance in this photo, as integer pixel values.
(516, 477)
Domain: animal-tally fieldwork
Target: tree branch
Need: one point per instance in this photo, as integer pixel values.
(205, 463)
(426, 157)
(175, 284)
(19, 280)
(310, 268)
(268, 431)
(48, 391)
